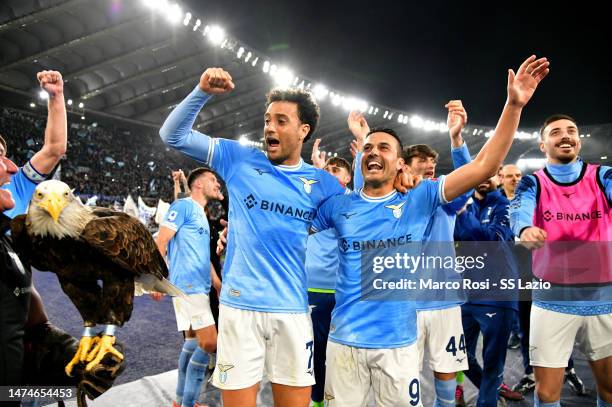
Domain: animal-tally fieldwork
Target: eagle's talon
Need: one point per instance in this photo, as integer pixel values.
(104, 346)
(81, 354)
(91, 355)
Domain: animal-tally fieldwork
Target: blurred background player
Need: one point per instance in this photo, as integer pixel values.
(184, 236)
(179, 181)
(322, 269)
(485, 219)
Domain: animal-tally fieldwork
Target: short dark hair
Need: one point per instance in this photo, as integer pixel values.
(554, 118)
(307, 108)
(339, 162)
(419, 150)
(3, 142)
(390, 132)
(195, 174)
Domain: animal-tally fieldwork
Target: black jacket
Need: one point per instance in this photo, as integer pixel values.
(15, 286)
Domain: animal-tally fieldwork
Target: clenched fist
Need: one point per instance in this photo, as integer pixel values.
(215, 81)
(51, 82)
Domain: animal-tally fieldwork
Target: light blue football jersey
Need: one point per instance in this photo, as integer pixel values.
(442, 227)
(360, 221)
(189, 249)
(271, 209)
(322, 260)
(22, 186)
(270, 213)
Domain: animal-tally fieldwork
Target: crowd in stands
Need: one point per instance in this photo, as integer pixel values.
(108, 162)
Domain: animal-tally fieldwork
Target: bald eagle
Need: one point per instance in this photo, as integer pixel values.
(98, 255)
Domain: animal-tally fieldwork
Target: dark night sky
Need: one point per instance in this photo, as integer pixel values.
(415, 56)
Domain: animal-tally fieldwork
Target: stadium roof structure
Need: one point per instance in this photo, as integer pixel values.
(126, 62)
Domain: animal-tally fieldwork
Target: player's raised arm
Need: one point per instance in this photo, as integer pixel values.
(56, 132)
(177, 130)
(521, 87)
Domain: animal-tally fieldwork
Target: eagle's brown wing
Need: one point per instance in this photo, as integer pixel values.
(27, 247)
(76, 267)
(125, 241)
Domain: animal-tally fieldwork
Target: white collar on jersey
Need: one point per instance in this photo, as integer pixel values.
(390, 195)
(290, 167)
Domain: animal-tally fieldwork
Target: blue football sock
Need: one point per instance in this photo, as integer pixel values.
(188, 347)
(538, 403)
(195, 375)
(601, 403)
(445, 393)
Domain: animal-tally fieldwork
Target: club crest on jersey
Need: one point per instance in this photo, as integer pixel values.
(308, 184)
(223, 372)
(397, 209)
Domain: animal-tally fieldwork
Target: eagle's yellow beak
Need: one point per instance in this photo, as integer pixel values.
(54, 204)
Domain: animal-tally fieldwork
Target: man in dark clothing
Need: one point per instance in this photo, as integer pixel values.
(485, 219)
(15, 282)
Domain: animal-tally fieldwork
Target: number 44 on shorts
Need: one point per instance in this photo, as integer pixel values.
(451, 347)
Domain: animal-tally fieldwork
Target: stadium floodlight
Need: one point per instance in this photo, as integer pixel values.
(604, 157)
(375, 111)
(283, 76)
(216, 35)
(82, 117)
(385, 114)
(390, 116)
(69, 102)
(588, 135)
(243, 140)
(416, 121)
(335, 154)
(174, 13)
(197, 24)
(582, 136)
(157, 4)
(475, 132)
(273, 69)
(371, 110)
(32, 104)
(296, 80)
(266, 67)
(81, 105)
(187, 18)
(400, 118)
(255, 61)
(248, 56)
(240, 52)
(337, 99)
(353, 103)
(43, 95)
(152, 3)
(320, 92)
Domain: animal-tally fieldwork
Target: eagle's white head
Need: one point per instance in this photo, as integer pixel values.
(55, 211)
